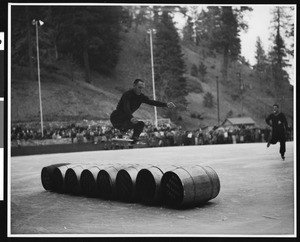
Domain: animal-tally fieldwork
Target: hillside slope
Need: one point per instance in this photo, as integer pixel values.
(67, 97)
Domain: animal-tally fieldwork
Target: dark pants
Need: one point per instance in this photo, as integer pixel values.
(278, 136)
(121, 122)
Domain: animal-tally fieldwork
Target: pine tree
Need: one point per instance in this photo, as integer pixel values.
(229, 38)
(289, 30)
(223, 34)
(208, 100)
(222, 27)
(202, 28)
(89, 35)
(168, 62)
(188, 30)
(141, 15)
(208, 25)
(22, 38)
(278, 52)
(290, 34)
(202, 70)
(260, 56)
(191, 25)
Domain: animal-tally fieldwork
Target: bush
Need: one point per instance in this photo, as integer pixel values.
(193, 115)
(193, 85)
(194, 71)
(229, 114)
(235, 97)
(208, 100)
(196, 116)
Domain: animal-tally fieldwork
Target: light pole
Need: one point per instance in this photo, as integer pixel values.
(36, 23)
(153, 80)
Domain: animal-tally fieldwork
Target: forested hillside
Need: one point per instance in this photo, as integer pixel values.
(90, 55)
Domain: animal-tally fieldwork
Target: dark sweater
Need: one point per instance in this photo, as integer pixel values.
(130, 102)
(277, 122)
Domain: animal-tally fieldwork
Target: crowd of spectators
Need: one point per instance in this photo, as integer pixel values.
(166, 136)
(163, 135)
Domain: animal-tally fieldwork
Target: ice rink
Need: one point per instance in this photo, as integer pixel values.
(256, 196)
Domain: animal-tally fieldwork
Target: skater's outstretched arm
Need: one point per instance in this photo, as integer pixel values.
(158, 103)
(153, 102)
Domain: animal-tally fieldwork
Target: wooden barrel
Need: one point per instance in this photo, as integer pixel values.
(126, 183)
(215, 181)
(190, 186)
(47, 175)
(59, 177)
(148, 183)
(88, 180)
(106, 181)
(72, 178)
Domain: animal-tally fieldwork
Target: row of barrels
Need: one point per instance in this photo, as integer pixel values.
(175, 186)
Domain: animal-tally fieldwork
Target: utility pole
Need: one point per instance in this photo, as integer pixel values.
(218, 104)
(239, 75)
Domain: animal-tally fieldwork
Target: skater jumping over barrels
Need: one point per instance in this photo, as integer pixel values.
(278, 122)
(131, 100)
